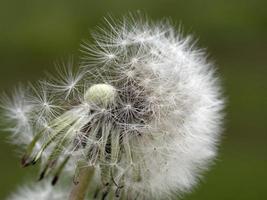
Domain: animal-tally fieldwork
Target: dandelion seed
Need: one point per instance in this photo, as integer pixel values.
(66, 81)
(44, 102)
(16, 111)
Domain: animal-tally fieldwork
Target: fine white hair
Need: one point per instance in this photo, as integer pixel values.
(39, 191)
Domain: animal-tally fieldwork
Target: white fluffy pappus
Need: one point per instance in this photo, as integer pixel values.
(15, 113)
(143, 108)
(43, 191)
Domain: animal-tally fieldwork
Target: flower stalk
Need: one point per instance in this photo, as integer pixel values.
(81, 185)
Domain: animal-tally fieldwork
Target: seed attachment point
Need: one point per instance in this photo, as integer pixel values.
(100, 94)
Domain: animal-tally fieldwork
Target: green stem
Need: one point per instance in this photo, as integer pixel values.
(80, 189)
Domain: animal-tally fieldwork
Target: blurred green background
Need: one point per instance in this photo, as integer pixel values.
(34, 34)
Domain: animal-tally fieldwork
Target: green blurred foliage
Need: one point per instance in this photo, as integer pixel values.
(34, 34)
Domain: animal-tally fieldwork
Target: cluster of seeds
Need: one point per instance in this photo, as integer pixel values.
(142, 108)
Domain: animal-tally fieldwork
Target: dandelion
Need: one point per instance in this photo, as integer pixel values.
(139, 119)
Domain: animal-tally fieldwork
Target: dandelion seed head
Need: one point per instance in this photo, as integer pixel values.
(143, 108)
